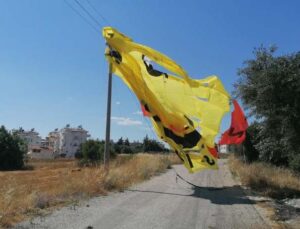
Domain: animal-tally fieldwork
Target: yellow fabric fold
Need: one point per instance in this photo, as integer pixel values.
(185, 112)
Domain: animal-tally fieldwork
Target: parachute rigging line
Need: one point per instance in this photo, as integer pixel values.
(196, 186)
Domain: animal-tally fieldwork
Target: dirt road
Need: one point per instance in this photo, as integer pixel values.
(164, 202)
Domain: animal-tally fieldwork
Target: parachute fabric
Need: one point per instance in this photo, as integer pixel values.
(185, 113)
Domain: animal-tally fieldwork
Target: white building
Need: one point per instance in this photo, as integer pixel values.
(31, 137)
(223, 148)
(53, 141)
(230, 148)
(66, 141)
(41, 153)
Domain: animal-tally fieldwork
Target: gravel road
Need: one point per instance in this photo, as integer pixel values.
(164, 202)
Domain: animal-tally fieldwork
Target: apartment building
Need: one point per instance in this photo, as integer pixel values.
(31, 137)
(70, 140)
(66, 141)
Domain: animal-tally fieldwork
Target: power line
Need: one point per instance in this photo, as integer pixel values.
(88, 13)
(97, 12)
(82, 17)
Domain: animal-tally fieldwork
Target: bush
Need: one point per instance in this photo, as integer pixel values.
(295, 162)
(151, 145)
(269, 86)
(252, 138)
(12, 150)
(92, 151)
(127, 150)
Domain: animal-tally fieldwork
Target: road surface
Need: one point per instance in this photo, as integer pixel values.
(164, 202)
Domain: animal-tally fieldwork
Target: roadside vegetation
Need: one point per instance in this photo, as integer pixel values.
(266, 179)
(33, 187)
(12, 151)
(269, 87)
(59, 182)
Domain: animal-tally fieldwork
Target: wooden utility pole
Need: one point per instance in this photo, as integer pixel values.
(108, 115)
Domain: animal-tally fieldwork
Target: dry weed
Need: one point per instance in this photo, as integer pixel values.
(269, 180)
(57, 182)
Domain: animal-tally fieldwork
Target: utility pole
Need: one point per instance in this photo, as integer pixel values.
(108, 115)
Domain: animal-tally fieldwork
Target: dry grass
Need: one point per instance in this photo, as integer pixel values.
(267, 179)
(55, 183)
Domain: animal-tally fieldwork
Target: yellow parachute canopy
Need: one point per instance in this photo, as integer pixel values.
(186, 113)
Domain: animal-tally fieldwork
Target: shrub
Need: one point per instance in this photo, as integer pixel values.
(92, 152)
(127, 150)
(12, 151)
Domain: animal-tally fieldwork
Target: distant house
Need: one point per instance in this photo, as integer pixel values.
(223, 148)
(41, 153)
(30, 137)
(37, 147)
(230, 148)
(59, 143)
(66, 141)
(53, 141)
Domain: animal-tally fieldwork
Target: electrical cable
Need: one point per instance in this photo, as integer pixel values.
(82, 17)
(88, 13)
(98, 12)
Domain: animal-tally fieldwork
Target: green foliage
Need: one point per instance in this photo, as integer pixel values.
(92, 151)
(126, 142)
(126, 150)
(269, 86)
(12, 150)
(127, 147)
(294, 162)
(120, 141)
(148, 145)
(151, 145)
(252, 138)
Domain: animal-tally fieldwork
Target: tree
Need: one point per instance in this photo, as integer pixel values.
(12, 150)
(117, 148)
(126, 142)
(126, 150)
(252, 139)
(120, 141)
(93, 151)
(151, 145)
(269, 86)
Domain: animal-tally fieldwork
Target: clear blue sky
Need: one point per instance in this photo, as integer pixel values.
(53, 71)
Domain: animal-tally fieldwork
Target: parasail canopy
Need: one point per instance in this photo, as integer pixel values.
(186, 113)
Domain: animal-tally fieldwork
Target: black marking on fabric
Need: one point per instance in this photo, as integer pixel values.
(212, 162)
(151, 71)
(166, 75)
(186, 127)
(156, 118)
(188, 141)
(190, 161)
(116, 55)
(190, 121)
(178, 155)
(202, 146)
(147, 108)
